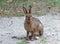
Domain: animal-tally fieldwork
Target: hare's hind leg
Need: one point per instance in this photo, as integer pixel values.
(40, 32)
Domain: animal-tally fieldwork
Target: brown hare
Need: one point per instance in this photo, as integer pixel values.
(32, 24)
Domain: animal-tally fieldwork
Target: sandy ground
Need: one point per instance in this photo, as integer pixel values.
(13, 26)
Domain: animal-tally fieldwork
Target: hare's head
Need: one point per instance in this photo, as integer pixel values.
(27, 12)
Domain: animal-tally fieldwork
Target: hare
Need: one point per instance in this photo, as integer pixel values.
(32, 24)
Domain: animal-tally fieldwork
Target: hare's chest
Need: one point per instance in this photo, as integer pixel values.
(27, 26)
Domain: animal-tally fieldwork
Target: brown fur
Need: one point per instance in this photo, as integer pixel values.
(32, 24)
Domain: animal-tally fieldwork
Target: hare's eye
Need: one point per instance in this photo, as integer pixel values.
(26, 16)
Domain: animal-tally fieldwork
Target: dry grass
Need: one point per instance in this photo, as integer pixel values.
(14, 7)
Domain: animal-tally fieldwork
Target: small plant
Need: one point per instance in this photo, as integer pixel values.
(43, 40)
(21, 42)
(14, 37)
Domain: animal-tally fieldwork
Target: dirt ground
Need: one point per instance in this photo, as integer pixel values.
(14, 26)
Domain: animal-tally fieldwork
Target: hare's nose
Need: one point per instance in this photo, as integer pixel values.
(28, 18)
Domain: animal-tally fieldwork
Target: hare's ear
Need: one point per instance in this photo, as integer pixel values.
(24, 9)
(30, 8)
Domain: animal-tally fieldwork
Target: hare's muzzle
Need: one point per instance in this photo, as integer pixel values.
(28, 18)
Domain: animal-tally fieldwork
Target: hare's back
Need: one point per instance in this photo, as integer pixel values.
(36, 23)
(36, 20)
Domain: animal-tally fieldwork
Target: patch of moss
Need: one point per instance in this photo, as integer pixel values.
(22, 42)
